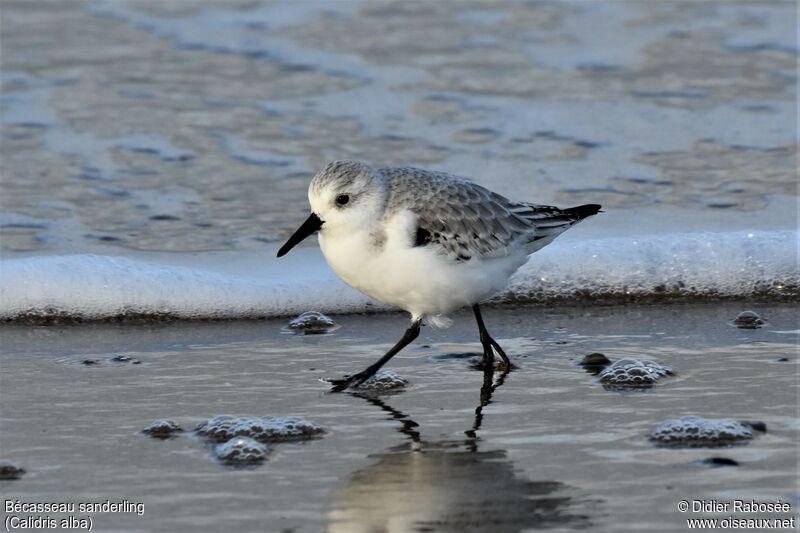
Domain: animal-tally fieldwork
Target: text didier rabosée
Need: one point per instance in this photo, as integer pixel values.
(740, 506)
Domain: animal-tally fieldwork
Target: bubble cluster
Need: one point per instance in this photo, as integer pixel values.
(633, 373)
(162, 429)
(241, 451)
(263, 429)
(694, 432)
(748, 320)
(312, 323)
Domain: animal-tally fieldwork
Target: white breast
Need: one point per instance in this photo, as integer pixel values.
(417, 279)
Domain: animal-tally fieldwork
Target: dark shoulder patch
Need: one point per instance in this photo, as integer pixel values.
(422, 237)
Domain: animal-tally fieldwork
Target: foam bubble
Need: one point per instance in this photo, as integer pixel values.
(748, 320)
(633, 373)
(311, 323)
(693, 431)
(241, 451)
(162, 429)
(264, 429)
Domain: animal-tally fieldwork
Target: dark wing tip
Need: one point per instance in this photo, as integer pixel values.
(583, 211)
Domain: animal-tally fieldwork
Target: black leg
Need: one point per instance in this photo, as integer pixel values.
(488, 342)
(356, 379)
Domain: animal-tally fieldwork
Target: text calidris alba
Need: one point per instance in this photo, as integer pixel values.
(427, 242)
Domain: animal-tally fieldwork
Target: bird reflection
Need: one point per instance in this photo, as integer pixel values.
(448, 485)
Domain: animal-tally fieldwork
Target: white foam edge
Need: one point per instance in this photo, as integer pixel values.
(229, 285)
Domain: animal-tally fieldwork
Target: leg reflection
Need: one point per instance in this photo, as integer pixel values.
(490, 384)
(449, 485)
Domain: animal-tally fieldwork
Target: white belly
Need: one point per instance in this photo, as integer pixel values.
(416, 279)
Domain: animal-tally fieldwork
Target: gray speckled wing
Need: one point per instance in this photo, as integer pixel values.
(465, 220)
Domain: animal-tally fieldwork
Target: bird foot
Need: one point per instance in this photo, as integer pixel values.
(494, 364)
(338, 385)
(481, 364)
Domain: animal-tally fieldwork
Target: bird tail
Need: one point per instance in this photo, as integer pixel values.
(549, 222)
(582, 211)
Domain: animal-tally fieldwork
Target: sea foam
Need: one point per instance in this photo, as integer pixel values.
(643, 268)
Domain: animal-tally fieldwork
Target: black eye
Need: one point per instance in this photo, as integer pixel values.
(342, 199)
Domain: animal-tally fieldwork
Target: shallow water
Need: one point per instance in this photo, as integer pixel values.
(552, 449)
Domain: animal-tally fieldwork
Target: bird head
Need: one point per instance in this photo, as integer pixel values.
(345, 196)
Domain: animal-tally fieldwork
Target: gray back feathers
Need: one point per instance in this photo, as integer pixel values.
(465, 220)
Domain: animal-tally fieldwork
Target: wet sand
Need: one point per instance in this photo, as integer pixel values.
(545, 446)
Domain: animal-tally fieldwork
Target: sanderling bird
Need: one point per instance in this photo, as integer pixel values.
(426, 242)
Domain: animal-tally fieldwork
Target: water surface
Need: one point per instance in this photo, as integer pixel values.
(549, 447)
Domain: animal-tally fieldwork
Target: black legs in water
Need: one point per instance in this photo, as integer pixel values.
(488, 342)
(411, 429)
(356, 379)
(490, 347)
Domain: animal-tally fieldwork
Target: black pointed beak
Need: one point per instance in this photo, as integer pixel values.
(312, 224)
